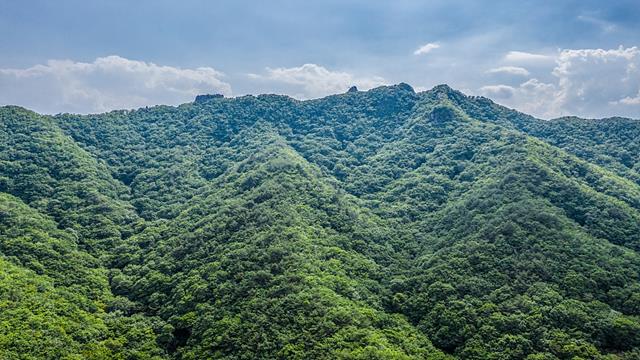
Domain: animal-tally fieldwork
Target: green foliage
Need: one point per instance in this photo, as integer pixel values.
(385, 224)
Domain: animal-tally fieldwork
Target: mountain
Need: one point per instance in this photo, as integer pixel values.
(380, 224)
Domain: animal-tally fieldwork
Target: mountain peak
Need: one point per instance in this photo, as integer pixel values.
(443, 90)
(207, 97)
(405, 87)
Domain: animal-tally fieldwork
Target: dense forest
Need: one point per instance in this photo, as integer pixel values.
(385, 224)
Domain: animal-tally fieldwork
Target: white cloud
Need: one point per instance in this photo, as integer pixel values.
(538, 98)
(597, 81)
(521, 57)
(311, 80)
(498, 91)
(584, 82)
(426, 48)
(531, 97)
(512, 70)
(107, 83)
(629, 100)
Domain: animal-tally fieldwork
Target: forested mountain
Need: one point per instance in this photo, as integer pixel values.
(385, 224)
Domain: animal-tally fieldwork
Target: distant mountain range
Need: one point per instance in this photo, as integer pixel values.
(385, 224)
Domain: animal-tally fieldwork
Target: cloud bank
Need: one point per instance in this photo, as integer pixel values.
(584, 82)
(312, 81)
(107, 83)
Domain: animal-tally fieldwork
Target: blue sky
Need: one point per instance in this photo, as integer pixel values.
(548, 58)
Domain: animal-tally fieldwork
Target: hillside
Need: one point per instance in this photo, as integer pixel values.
(385, 224)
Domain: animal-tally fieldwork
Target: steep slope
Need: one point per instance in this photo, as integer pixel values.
(612, 143)
(52, 174)
(59, 216)
(378, 224)
(498, 212)
(509, 242)
(271, 262)
(55, 301)
(165, 154)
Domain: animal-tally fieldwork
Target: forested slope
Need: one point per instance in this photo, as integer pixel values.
(383, 224)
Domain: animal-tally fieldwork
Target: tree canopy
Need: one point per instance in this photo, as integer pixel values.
(385, 224)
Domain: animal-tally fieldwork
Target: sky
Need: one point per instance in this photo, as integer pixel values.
(546, 58)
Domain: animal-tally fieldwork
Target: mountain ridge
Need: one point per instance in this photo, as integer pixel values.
(378, 224)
